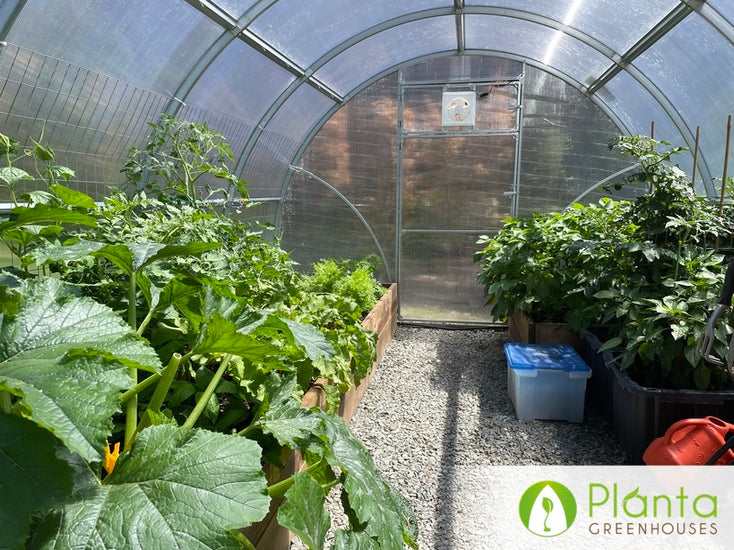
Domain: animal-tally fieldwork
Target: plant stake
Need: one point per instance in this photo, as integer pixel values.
(695, 157)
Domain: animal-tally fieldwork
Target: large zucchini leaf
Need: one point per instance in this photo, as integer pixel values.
(66, 358)
(175, 488)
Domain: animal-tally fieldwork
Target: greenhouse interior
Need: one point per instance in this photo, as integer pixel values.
(276, 272)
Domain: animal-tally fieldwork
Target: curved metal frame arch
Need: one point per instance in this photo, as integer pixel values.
(353, 208)
(232, 30)
(489, 53)
(9, 12)
(395, 22)
(593, 187)
(614, 57)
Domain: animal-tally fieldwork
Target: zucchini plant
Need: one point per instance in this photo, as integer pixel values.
(158, 361)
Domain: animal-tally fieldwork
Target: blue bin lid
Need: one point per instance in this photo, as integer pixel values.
(560, 357)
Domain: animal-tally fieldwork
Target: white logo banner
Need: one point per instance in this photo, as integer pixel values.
(600, 507)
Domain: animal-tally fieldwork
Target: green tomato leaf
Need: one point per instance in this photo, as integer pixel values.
(66, 358)
(175, 488)
(32, 478)
(43, 213)
(303, 512)
(72, 197)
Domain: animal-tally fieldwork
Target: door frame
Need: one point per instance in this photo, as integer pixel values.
(403, 135)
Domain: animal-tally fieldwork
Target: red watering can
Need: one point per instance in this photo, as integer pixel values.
(694, 441)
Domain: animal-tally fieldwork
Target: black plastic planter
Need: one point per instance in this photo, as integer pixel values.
(602, 379)
(640, 414)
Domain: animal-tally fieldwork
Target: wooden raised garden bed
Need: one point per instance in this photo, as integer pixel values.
(523, 329)
(268, 534)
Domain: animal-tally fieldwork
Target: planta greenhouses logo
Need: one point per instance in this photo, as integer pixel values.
(547, 508)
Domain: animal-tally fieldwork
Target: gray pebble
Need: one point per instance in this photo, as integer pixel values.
(438, 408)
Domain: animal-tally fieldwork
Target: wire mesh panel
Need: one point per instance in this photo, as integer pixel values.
(89, 119)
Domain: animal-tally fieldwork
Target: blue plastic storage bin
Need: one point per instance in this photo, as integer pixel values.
(546, 381)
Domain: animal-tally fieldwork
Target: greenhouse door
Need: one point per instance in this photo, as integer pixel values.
(458, 159)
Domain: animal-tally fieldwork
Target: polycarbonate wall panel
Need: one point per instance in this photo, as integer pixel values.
(288, 24)
(147, 43)
(355, 151)
(635, 106)
(240, 83)
(438, 279)
(534, 41)
(695, 67)
(457, 183)
(89, 119)
(236, 8)
(617, 23)
(565, 145)
(627, 98)
(464, 68)
(387, 49)
(317, 224)
(268, 165)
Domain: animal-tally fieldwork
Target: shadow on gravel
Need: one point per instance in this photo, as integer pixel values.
(471, 367)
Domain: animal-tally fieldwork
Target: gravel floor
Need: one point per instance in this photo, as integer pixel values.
(438, 408)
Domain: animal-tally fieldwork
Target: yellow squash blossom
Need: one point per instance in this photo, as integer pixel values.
(110, 457)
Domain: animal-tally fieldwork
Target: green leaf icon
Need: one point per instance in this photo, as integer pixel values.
(544, 506)
(548, 507)
(632, 495)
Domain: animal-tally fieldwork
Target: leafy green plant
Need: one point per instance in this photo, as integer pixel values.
(178, 155)
(350, 279)
(44, 211)
(195, 365)
(549, 265)
(645, 273)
